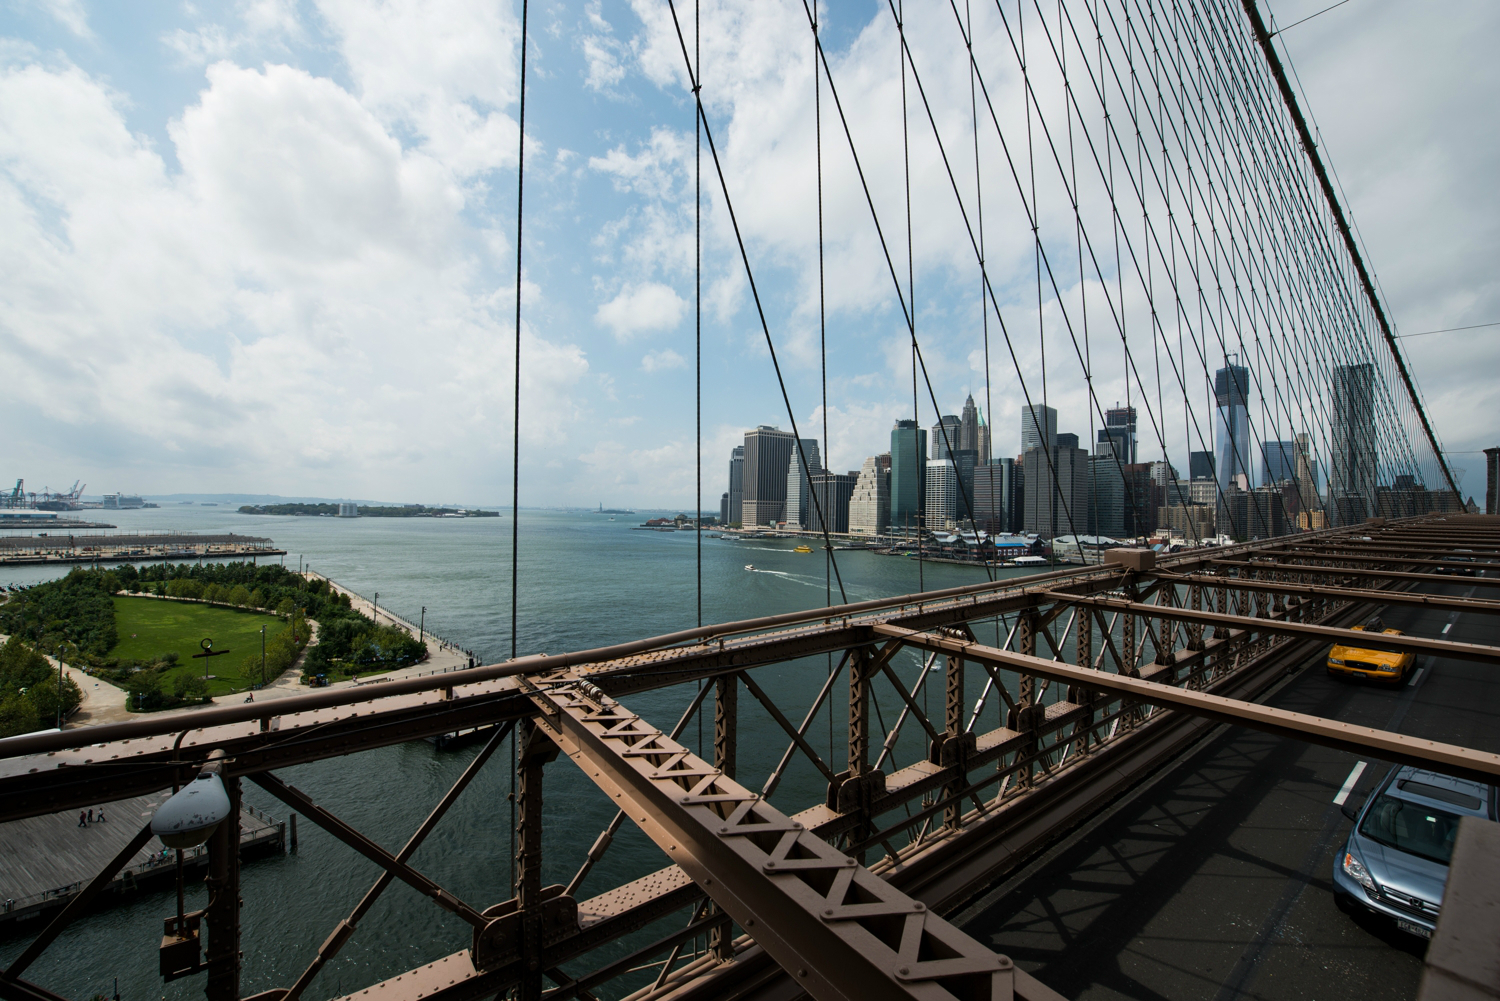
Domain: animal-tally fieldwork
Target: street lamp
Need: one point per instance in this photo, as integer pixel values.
(375, 615)
(422, 625)
(262, 656)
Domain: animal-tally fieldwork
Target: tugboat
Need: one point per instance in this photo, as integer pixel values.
(803, 549)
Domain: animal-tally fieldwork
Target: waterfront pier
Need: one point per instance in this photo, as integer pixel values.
(50, 549)
(46, 861)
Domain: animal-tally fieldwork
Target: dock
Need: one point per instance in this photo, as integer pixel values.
(45, 861)
(48, 549)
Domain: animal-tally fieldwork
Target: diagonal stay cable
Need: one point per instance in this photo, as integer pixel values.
(891, 267)
(765, 327)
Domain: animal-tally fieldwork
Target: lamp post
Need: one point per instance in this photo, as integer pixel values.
(422, 626)
(375, 615)
(263, 656)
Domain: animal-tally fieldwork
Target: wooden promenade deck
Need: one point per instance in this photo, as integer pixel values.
(44, 861)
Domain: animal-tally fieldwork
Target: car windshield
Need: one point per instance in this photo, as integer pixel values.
(1412, 828)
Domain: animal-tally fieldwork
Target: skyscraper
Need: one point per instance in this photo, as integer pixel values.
(799, 508)
(1280, 462)
(1106, 494)
(833, 491)
(1351, 475)
(767, 452)
(968, 433)
(736, 485)
(1038, 427)
(1306, 474)
(994, 486)
(870, 504)
(985, 451)
(1057, 498)
(908, 468)
(1119, 424)
(953, 448)
(946, 438)
(1232, 394)
(1201, 465)
(942, 494)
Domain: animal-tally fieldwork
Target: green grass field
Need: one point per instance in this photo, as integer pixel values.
(150, 627)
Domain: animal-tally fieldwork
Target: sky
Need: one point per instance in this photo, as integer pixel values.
(270, 246)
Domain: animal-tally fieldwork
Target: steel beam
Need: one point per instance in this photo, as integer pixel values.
(1273, 626)
(1450, 759)
(1478, 605)
(843, 933)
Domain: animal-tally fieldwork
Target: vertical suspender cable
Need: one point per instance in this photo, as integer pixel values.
(911, 296)
(823, 344)
(698, 301)
(515, 472)
(698, 311)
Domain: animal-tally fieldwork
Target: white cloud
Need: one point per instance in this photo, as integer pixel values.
(70, 14)
(296, 304)
(660, 361)
(641, 309)
(446, 70)
(602, 51)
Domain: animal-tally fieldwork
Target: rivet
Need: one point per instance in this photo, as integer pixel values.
(904, 970)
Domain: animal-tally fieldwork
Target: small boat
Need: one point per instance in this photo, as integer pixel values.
(749, 566)
(803, 549)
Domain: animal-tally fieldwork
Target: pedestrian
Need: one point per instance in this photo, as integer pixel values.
(81, 821)
(91, 815)
(101, 815)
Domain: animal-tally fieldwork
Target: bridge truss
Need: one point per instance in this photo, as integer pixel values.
(1102, 674)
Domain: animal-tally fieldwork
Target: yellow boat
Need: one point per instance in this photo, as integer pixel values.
(803, 549)
(1370, 665)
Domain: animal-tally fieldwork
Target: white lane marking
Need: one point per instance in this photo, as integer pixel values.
(1348, 786)
(1415, 678)
(1446, 628)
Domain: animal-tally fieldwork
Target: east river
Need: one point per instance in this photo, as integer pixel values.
(585, 581)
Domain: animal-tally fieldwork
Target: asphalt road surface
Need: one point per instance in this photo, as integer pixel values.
(1215, 881)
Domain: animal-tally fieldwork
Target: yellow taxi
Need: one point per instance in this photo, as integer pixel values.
(1370, 665)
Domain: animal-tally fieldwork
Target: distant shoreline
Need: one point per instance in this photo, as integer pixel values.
(381, 511)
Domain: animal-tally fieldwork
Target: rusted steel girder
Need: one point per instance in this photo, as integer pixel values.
(1450, 759)
(1350, 557)
(1274, 626)
(1478, 605)
(843, 933)
(1393, 576)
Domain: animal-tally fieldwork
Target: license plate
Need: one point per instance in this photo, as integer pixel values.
(1414, 929)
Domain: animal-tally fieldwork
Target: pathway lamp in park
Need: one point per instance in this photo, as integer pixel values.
(375, 613)
(263, 656)
(422, 625)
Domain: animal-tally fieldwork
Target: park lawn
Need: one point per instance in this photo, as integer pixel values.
(150, 627)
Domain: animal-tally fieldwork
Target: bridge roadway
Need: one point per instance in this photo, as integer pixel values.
(1214, 880)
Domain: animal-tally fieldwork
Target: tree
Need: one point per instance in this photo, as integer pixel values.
(17, 715)
(286, 606)
(239, 595)
(258, 598)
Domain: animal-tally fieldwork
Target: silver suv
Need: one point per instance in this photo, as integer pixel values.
(1396, 860)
